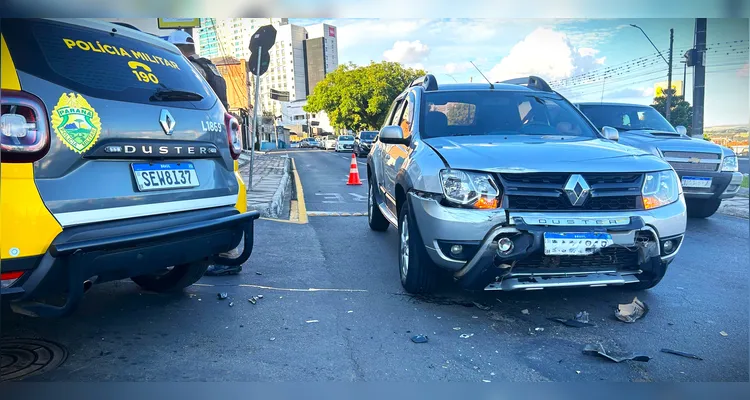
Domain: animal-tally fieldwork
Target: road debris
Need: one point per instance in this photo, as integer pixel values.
(258, 273)
(474, 317)
(482, 306)
(272, 339)
(252, 300)
(583, 317)
(571, 322)
(222, 295)
(525, 312)
(231, 304)
(632, 311)
(679, 353)
(419, 339)
(458, 328)
(260, 296)
(600, 351)
(485, 381)
(539, 329)
(722, 333)
(312, 321)
(466, 335)
(349, 312)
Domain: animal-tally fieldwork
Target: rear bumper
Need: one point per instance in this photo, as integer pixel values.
(116, 250)
(724, 185)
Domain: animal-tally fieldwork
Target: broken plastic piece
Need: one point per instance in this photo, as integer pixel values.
(482, 306)
(260, 296)
(252, 300)
(231, 304)
(222, 295)
(419, 339)
(722, 333)
(571, 322)
(599, 350)
(466, 335)
(631, 312)
(583, 316)
(679, 353)
(525, 312)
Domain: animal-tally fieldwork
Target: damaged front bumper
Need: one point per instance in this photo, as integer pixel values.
(643, 241)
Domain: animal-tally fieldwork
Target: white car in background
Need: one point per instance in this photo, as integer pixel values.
(328, 142)
(345, 143)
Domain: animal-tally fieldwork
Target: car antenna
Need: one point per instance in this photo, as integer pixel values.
(480, 73)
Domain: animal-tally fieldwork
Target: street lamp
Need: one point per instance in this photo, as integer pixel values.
(669, 64)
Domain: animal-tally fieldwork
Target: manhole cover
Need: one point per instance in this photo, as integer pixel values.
(21, 358)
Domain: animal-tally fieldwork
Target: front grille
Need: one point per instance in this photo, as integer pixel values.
(618, 258)
(678, 160)
(540, 203)
(545, 192)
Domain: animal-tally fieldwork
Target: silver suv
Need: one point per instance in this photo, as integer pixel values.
(508, 186)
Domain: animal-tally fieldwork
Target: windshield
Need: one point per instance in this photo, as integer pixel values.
(367, 136)
(626, 117)
(463, 113)
(346, 137)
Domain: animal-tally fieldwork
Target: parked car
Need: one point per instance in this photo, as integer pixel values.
(118, 161)
(507, 186)
(328, 142)
(709, 173)
(310, 143)
(294, 145)
(344, 143)
(363, 143)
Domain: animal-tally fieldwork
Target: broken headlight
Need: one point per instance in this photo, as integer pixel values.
(470, 189)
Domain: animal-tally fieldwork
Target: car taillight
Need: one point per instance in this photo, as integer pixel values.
(7, 279)
(233, 135)
(24, 130)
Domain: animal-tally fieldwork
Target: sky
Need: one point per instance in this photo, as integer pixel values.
(560, 51)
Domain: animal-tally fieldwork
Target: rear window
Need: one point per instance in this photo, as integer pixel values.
(101, 64)
(346, 137)
(368, 135)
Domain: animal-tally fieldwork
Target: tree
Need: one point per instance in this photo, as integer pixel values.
(681, 111)
(358, 97)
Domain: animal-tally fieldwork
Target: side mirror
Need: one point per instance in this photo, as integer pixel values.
(393, 134)
(610, 133)
(681, 130)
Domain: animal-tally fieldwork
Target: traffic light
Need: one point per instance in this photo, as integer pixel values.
(261, 41)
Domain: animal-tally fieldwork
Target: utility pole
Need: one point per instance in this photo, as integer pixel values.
(699, 76)
(669, 76)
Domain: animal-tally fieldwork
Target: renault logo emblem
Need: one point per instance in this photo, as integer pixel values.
(167, 122)
(577, 190)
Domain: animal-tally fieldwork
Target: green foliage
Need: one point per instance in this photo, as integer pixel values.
(681, 111)
(358, 97)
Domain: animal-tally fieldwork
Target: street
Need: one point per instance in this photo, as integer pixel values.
(333, 310)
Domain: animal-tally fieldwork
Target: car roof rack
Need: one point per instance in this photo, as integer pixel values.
(127, 25)
(532, 82)
(428, 82)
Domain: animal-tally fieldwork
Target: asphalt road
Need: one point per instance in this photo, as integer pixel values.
(334, 310)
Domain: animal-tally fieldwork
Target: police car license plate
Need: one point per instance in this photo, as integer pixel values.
(162, 176)
(575, 244)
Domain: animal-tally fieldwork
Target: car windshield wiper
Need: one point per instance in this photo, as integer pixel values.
(175, 95)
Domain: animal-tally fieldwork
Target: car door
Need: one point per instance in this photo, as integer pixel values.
(380, 152)
(396, 153)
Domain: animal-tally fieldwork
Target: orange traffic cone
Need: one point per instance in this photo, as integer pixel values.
(354, 172)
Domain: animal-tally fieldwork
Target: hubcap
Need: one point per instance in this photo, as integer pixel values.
(404, 247)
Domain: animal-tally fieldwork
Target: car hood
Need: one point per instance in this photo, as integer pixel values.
(649, 140)
(511, 154)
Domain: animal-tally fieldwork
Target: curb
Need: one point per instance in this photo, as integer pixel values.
(277, 203)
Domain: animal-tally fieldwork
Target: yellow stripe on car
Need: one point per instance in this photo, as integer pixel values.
(8, 69)
(241, 205)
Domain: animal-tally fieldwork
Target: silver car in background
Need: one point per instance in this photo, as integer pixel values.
(507, 186)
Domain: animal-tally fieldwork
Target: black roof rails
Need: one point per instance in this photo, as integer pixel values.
(127, 25)
(428, 82)
(532, 82)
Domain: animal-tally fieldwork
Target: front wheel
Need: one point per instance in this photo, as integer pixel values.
(173, 279)
(418, 273)
(702, 208)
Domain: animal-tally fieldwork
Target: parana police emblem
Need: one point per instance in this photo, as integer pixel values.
(76, 123)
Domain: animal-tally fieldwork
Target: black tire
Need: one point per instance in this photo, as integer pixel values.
(420, 274)
(374, 217)
(702, 208)
(174, 280)
(648, 279)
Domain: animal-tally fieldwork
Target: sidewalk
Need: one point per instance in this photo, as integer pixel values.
(271, 182)
(737, 207)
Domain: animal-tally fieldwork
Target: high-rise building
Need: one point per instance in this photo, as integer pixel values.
(230, 37)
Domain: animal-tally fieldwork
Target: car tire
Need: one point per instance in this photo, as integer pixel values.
(702, 208)
(416, 269)
(176, 279)
(374, 217)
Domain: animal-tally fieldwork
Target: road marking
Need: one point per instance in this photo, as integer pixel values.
(285, 289)
(332, 198)
(335, 214)
(301, 209)
(358, 197)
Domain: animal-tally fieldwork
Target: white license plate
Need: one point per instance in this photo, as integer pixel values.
(575, 244)
(163, 176)
(696, 182)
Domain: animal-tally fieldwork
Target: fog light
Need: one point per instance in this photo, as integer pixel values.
(668, 246)
(505, 245)
(456, 249)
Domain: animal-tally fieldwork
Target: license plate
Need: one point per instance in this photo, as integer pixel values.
(163, 176)
(696, 182)
(575, 244)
